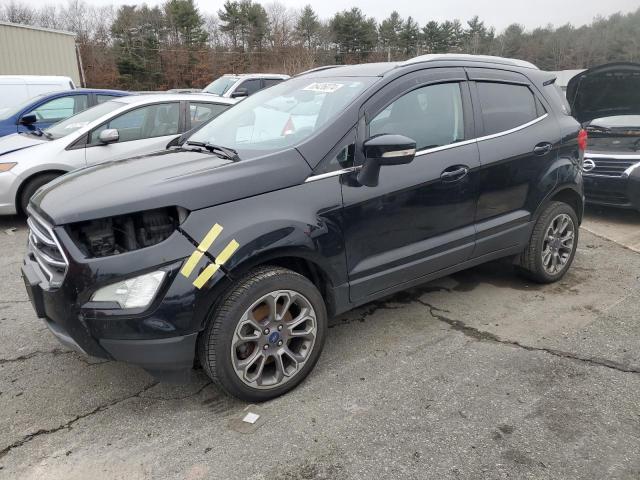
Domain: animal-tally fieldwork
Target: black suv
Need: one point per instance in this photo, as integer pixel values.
(328, 191)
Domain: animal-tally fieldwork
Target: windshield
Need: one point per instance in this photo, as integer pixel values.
(281, 116)
(8, 112)
(221, 85)
(78, 121)
(617, 121)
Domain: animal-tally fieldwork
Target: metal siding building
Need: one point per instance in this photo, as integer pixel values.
(37, 51)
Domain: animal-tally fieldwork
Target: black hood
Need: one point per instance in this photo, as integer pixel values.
(184, 178)
(604, 91)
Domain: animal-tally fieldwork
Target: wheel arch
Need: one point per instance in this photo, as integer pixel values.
(296, 260)
(27, 179)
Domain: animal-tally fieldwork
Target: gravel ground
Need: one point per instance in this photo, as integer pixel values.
(480, 375)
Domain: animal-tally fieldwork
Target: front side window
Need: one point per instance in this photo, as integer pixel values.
(82, 119)
(431, 115)
(60, 108)
(150, 121)
(505, 106)
(282, 116)
(203, 112)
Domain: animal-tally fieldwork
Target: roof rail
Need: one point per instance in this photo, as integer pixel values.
(317, 69)
(471, 58)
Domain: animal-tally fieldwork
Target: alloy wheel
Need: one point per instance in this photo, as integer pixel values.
(558, 244)
(273, 339)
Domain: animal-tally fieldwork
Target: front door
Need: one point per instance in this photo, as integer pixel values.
(142, 130)
(420, 217)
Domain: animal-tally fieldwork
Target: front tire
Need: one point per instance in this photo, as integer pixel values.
(31, 187)
(265, 336)
(553, 244)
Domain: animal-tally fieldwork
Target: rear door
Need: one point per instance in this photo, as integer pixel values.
(519, 142)
(419, 219)
(201, 112)
(142, 130)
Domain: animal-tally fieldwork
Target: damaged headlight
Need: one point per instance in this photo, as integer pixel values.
(134, 292)
(104, 237)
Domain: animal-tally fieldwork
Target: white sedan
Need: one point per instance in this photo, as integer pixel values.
(126, 127)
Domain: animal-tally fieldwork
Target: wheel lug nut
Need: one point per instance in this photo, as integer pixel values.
(266, 331)
(279, 327)
(266, 347)
(280, 343)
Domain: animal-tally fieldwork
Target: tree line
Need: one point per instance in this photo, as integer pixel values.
(140, 47)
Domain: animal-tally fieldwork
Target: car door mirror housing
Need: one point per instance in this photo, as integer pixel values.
(109, 135)
(28, 119)
(385, 149)
(241, 92)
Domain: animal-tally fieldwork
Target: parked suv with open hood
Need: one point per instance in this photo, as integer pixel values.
(606, 100)
(305, 200)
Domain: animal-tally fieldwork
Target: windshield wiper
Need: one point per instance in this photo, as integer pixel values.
(224, 152)
(38, 132)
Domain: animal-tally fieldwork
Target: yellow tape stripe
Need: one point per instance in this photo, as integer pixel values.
(210, 238)
(191, 263)
(226, 252)
(206, 274)
(212, 268)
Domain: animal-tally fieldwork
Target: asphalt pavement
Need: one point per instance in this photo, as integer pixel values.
(480, 375)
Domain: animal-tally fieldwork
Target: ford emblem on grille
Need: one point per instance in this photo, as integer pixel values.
(588, 165)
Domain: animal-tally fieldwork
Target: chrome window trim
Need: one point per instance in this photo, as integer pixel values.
(335, 173)
(426, 151)
(612, 156)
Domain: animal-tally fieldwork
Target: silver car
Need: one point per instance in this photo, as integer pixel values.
(126, 127)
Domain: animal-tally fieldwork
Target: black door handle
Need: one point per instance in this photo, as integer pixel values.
(542, 148)
(454, 173)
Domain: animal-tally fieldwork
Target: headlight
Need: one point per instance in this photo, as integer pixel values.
(5, 167)
(134, 292)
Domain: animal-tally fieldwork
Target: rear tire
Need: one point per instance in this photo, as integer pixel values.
(31, 187)
(265, 336)
(553, 244)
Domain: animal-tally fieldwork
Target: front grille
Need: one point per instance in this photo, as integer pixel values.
(609, 167)
(46, 251)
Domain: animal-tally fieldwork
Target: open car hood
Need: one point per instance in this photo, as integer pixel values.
(607, 90)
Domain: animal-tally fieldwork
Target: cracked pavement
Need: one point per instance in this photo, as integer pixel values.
(480, 375)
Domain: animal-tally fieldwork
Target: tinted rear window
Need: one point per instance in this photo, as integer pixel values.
(558, 97)
(506, 106)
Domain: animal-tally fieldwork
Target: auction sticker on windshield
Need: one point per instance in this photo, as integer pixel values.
(324, 87)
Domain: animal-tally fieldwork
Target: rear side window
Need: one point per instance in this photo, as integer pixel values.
(505, 106)
(100, 98)
(203, 112)
(557, 96)
(270, 82)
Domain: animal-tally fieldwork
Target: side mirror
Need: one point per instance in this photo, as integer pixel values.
(109, 135)
(385, 149)
(241, 92)
(29, 119)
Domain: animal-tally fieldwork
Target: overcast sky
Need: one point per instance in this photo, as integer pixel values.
(497, 13)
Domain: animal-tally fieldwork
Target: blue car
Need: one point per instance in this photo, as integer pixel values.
(44, 110)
